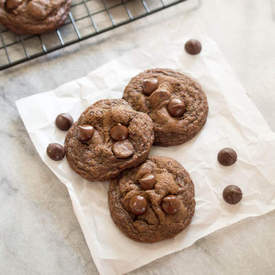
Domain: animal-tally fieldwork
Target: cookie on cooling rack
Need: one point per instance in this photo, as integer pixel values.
(33, 16)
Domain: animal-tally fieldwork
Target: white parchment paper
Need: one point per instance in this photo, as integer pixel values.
(233, 121)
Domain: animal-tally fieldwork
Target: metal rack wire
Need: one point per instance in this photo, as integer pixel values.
(87, 18)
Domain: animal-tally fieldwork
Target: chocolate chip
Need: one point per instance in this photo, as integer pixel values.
(158, 96)
(150, 85)
(176, 107)
(64, 121)
(147, 182)
(55, 151)
(232, 194)
(171, 204)
(85, 132)
(119, 132)
(123, 149)
(193, 46)
(138, 205)
(10, 5)
(145, 168)
(227, 156)
(97, 138)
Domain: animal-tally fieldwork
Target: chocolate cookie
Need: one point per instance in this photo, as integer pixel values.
(108, 138)
(175, 102)
(154, 201)
(33, 16)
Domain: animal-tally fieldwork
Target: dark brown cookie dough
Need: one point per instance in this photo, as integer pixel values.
(175, 102)
(98, 152)
(33, 16)
(154, 201)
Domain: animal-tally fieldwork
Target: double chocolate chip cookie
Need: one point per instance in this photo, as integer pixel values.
(175, 102)
(33, 16)
(108, 138)
(154, 201)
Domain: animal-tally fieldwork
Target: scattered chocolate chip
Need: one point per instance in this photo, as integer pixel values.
(10, 5)
(176, 107)
(56, 151)
(232, 194)
(193, 46)
(85, 132)
(123, 149)
(147, 181)
(227, 156)
(64, 121)
(158, 96)
(150, 85)
(138, 205)
(171, 204)
(119, 132)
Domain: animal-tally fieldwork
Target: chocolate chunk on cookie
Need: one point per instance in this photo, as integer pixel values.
(33, 16)
(119, 132)
(152, 202)
(176, 103)
(108, 138)
(123, 149)
(85, 132)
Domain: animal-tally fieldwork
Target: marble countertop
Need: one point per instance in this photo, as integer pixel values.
(38, 230)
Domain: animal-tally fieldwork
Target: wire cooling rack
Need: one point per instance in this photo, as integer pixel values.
(87, 18)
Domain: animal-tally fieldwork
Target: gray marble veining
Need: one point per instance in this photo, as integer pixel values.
(39, 233)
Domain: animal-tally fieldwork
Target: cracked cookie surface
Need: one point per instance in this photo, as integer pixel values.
(33, 16)
(154, 201)
(108, 138)
(176, 103)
